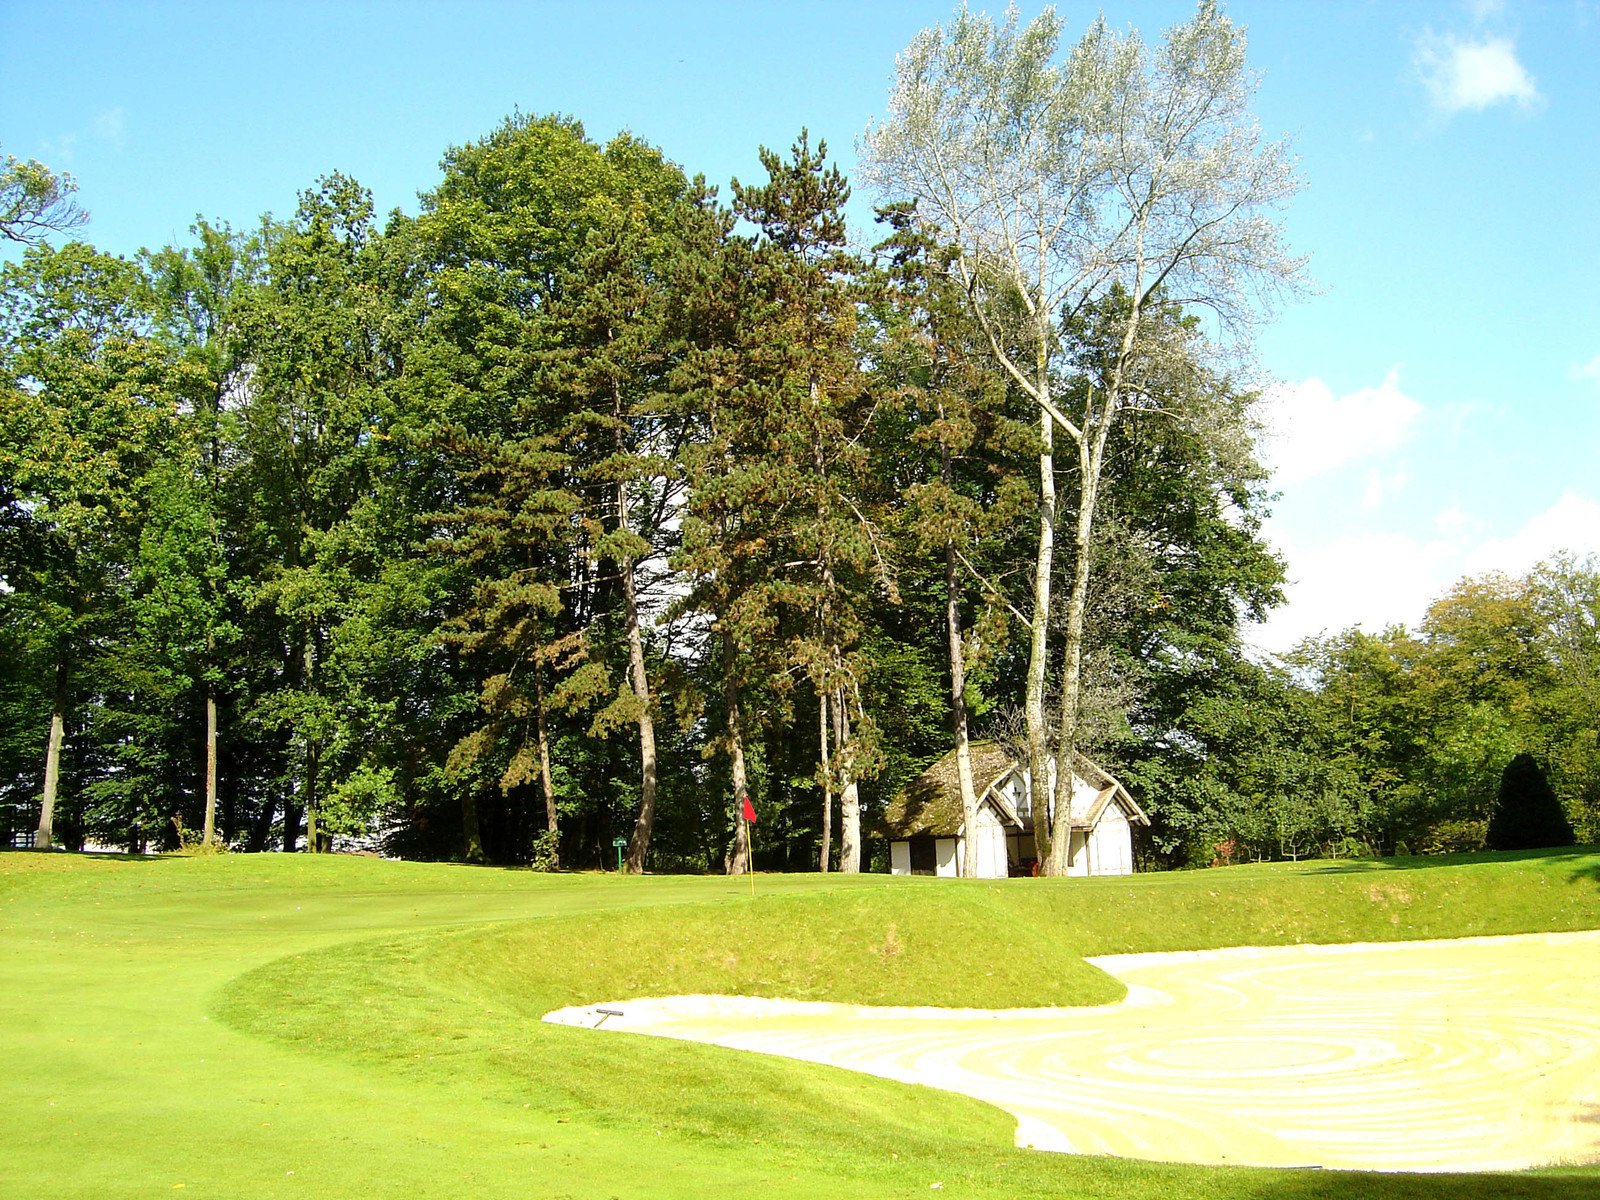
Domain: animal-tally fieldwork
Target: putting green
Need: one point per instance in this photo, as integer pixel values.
(1471, 1054)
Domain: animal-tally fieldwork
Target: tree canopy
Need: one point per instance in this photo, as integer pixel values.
(583, 504)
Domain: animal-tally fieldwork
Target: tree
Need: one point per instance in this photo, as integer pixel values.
(949, 447)
(35, 201)
(193, 291)
(542, 339)
(1527, 815)
(607, 369)
(89, 404)
(1566, 597)
(1114, 174)
(812, 407)
(722, 555)
(312, 439)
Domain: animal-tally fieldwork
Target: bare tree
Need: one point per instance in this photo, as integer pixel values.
(1105, 180)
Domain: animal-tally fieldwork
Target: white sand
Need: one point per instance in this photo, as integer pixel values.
(1466, 1055)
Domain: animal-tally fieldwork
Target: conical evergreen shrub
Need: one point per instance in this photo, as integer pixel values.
(1527, 815)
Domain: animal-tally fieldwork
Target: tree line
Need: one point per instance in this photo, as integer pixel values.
(582, 504)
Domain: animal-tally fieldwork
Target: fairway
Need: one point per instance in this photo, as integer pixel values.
(1472, 1054)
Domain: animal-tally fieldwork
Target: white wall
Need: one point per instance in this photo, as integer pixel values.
(991, 844)
(1111, 847)
(899, 858)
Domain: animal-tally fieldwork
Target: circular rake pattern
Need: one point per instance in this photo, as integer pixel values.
(1472, 1054)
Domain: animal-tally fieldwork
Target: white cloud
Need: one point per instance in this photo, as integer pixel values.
(1382, 487)
(1456, 524)
(1587, 371)
(1373, 580)
(1572, 523)
(1464, 75)
(1382, 578)
(59, 151)
(111, 126)
(1310, 431)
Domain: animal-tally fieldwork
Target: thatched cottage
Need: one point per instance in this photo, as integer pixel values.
(924, 828)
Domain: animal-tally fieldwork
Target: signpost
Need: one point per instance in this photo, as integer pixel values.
(621, 843)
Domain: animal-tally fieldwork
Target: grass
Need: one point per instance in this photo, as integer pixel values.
(292, 1026)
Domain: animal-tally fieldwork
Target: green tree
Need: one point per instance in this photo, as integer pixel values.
(724, 556)
(312, 439)
(89, 403)
(193, 292)
(543, 338)
(811, 409)
(948, 444)
(1566, 597)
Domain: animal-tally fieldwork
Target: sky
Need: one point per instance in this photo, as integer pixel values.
(1431, 404)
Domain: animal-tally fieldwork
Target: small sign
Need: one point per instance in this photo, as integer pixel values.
(621, 843)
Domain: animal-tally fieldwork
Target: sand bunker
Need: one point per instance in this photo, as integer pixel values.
(1466, 1055)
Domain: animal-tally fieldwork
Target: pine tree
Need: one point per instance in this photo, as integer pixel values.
(812, 407)
(953, 456)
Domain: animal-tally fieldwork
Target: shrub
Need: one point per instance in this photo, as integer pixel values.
(544, 851)
(1527, 815)
(1455, 837)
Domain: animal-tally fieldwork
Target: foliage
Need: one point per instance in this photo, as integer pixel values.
(1430, 718)
(35, 202)
(579, 502)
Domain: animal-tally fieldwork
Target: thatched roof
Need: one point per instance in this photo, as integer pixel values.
(931, 803)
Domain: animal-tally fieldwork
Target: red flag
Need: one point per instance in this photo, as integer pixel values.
(749, 810)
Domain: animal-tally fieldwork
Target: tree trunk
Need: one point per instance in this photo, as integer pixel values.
(825, 760)
(211, 764)
(471, 832)
(313, 835)
(44, 836)
(547, 785)
(958, 683)
(1039, 646)
(1091, 459)
(1071, 684)
(849, 793)
(958, 710)
(313, 838)
(261, 831)
(737, 859)
(640, 842)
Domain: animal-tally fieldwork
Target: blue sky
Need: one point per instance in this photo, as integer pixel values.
(1437, 410)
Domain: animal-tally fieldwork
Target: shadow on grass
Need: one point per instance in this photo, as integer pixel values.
(1362, 866)
(1342, 1185)
(1589, 871)
(27, 854)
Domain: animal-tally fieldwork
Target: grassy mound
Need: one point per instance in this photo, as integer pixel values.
(380, 1033)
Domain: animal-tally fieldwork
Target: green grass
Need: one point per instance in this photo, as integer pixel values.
(290, 1026)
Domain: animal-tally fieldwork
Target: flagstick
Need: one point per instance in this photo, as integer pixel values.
(749, 854)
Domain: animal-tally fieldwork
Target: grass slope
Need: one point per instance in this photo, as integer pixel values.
(302, 1027)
